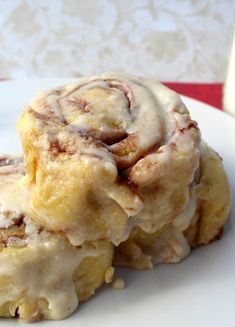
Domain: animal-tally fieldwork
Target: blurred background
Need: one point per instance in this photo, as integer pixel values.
(170, 40)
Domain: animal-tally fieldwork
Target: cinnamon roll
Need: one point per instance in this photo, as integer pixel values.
(42, 276)
(199, 223)
(106, 155)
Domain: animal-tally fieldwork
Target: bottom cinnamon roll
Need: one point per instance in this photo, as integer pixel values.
(42, 276)
(200, 223)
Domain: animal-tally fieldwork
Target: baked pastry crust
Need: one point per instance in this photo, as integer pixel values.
(42, 276)
(107, 154)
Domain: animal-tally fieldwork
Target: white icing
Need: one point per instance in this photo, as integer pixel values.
(30, 226)
(44, 271)
(5, 222)
(183, 220)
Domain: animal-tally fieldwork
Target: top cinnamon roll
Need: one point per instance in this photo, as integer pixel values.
(106, 154)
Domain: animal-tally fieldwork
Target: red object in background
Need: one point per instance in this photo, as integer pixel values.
(208, 93)
(205, 92)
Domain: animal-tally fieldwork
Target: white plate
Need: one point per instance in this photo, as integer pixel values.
(197, 292)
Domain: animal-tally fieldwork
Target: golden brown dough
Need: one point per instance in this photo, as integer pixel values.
(42, 276)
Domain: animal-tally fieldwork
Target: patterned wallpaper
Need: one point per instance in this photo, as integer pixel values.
(175, 40)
